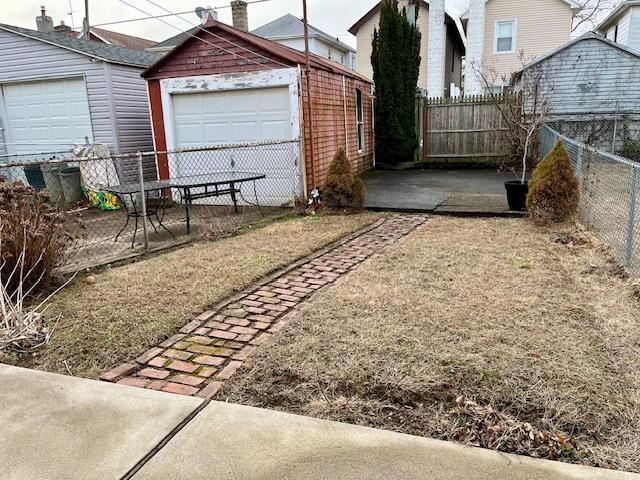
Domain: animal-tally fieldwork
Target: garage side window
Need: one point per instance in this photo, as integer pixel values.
(360, 120)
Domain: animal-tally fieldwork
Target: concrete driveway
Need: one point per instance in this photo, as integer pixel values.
(58, 427)
(463, 191)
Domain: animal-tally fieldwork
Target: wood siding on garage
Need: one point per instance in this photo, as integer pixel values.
(328, 106)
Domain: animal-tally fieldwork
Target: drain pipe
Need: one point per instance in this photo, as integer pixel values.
(344, 105)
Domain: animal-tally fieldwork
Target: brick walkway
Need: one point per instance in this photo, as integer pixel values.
(210, 349)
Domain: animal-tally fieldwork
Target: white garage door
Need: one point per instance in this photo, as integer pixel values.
(46, 115)
(239, 117)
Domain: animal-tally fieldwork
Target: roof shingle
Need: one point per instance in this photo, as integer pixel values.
(101, 51)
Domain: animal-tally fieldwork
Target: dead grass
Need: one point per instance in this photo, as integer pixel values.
(538, 330)
(134, 307)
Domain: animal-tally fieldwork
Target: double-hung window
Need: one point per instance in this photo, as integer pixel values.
(505, 37)
(360, 120)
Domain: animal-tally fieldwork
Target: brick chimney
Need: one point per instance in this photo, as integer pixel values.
(62, 28)
(475, 48)
(437, 49)
(239, 15)
(44, 23)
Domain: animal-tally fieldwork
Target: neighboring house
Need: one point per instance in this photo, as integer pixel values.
(45, 24)
(586, 77)
(622, 25)
(451, 46)
(289, 30)
(228, 86)
(504, 34)
(55, 90)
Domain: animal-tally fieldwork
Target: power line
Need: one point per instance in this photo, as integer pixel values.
(196, 37)
(150, 17)
(139, 19)
(220, 38)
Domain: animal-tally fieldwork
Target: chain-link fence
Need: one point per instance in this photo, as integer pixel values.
(116, 205)
(610, 186)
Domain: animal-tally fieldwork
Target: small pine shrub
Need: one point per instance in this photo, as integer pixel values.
(32, 237)
(341, 188)
(554, 190)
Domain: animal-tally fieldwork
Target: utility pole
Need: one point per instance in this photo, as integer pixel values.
(85, 23)
(311, 178)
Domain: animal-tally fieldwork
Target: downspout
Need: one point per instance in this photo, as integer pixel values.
(373, 123)
(308, 93)
(344, 105)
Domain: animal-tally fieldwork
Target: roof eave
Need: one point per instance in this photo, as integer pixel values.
(616, 12)
(582, 38)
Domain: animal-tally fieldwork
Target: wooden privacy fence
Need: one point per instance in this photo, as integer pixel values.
(462, 131)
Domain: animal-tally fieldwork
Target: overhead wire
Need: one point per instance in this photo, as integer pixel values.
(152, 17)
(196, 37)
(218, 36)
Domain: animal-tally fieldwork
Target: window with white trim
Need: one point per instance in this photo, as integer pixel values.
(360, 120)
(505, 37)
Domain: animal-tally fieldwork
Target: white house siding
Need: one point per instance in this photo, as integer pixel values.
(591, 77)
(624, 26)
(634, 29)
(132, 118)
(320, 47)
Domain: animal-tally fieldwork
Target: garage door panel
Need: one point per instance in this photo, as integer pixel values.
(275, 129)
(242, 116)
(48, 114)
(215, 133)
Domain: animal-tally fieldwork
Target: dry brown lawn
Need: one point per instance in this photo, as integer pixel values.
(136, 306)
(490, 331)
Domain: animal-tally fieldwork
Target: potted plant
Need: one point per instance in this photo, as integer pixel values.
(523, 110)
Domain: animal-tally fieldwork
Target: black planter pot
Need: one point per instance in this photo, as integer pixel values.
(517, 195)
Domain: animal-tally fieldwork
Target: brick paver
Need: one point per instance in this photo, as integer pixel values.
(213, 346)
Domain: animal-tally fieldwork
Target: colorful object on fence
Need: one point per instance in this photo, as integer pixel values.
(104, 200)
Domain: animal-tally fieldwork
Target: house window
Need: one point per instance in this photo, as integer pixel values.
(505, 41)
(360, 120)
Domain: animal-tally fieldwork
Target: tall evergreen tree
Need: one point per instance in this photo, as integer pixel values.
(396, 64)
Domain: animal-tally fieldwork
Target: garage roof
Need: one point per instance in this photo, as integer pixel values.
(278, 50)
(98, 50)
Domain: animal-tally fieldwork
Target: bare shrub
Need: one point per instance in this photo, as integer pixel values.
(554, 190)
(33, 237)
(341, 188)
(22, 328)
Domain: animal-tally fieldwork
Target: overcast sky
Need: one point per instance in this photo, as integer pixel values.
(332, 16)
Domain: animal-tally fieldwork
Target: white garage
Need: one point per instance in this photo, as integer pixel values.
(202, 112)
(46, 115)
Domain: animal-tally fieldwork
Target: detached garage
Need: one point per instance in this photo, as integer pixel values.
(57, 90)
(224, 86)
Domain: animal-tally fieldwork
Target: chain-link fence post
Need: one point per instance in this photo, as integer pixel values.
(632, 216)
(143, 202)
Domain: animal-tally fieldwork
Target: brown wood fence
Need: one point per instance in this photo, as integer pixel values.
(461, 131)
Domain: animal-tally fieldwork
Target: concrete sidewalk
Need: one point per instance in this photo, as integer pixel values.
(61, 427)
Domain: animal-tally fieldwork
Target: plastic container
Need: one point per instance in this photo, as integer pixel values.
(51, 175)
(71, 187)
(34, 176)
(517, 195)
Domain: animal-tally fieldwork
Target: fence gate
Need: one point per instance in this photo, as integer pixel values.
(461, 131)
